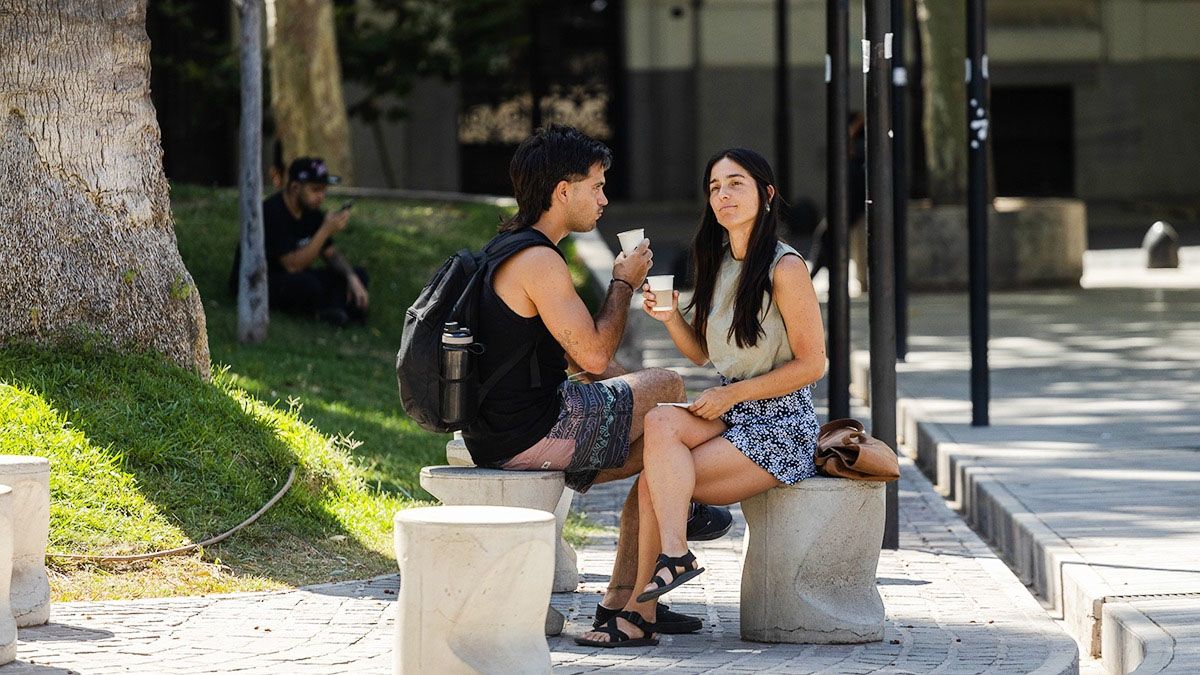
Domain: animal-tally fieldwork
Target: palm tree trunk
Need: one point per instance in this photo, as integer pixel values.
(306, 83)
(86, 234)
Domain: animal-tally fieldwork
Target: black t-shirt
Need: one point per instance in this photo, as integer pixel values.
(283, 234)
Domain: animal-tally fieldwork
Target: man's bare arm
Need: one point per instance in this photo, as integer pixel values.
(614, 369)
(589, 341)
(299, 259)
(338, 262)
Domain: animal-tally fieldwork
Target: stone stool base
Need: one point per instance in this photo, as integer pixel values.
(29, 478)
(8, 627)
(463, 485)
(812, 550)
(474, 587)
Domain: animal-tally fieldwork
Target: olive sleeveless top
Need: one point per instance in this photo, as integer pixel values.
(772, 349)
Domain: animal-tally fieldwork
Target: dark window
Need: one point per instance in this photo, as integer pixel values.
(194, 83)
(571, 63)
(1033, 149)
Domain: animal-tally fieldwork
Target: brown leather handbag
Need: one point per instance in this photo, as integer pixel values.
(844, 450)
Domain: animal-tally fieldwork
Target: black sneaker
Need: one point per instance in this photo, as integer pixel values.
(706, 523)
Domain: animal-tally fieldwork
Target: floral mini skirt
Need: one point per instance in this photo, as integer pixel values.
(779, 434)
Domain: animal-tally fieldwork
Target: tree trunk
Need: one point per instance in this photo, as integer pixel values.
(86, 234)
(306, 83)
(253, 319)
(943, 27)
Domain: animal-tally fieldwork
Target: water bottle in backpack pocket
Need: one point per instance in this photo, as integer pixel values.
(459, 384)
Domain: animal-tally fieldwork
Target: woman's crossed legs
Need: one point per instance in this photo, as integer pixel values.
(685, 458)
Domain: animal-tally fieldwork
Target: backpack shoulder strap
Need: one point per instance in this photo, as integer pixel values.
(508, 244)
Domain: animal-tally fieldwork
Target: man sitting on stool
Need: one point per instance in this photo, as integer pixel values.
(295, 232)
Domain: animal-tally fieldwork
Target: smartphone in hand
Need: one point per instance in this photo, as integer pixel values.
(346, 206)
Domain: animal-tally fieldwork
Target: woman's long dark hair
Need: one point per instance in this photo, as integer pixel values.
(708, 253)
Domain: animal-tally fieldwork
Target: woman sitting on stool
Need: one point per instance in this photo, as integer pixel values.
(755, 316)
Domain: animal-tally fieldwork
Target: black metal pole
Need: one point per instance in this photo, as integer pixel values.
(977, 205)
(537, 84)
(837, 198)
(695, 81)
(783, 136)
(900, 173)
(880, 270)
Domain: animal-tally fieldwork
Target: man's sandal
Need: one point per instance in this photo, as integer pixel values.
(665, 621)
(618, 637)
(682, 569)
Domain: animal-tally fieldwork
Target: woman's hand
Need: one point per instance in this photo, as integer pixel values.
(649, 303)
(715, 402)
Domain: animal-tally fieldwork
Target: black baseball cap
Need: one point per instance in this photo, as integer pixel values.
(311, 170)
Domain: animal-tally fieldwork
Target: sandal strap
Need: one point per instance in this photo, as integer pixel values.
(610, 629)
(685, 561)
(637, 620)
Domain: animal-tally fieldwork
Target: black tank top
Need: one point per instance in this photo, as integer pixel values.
(523, 406)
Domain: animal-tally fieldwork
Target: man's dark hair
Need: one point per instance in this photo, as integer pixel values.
(550, 155)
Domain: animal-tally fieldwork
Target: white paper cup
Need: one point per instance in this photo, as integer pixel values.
(630, 239)
(662, 286)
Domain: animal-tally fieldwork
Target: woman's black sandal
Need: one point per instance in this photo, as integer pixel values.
(681, 569)
(618, 637)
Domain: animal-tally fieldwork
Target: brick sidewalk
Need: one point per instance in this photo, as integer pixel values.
(951, 607)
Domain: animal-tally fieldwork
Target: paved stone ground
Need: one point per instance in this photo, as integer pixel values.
(952, 607)
(1093, 452)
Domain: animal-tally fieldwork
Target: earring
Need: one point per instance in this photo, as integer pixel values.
(768, 208)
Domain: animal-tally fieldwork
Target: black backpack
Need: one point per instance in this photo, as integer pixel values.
(452, 294)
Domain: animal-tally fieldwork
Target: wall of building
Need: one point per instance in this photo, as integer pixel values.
(1132, 66)
(421, 149)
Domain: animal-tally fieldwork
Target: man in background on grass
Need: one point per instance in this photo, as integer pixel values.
(296, 232)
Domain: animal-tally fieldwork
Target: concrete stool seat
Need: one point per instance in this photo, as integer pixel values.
(811, 553)
(474, 587)
(496, 487)
(29, 478)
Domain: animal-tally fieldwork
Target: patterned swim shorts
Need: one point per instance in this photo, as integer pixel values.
(591, 434)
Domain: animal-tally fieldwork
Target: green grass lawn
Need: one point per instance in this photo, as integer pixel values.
(148, 457)
(343, 379)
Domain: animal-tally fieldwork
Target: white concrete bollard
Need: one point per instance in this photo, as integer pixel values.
(811, 553)
(8, 627)
(528, 489)
(474, 587)
(29, 478)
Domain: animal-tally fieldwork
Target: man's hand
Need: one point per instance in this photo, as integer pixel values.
(632, 268)
(356, 293)
(336, 222)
